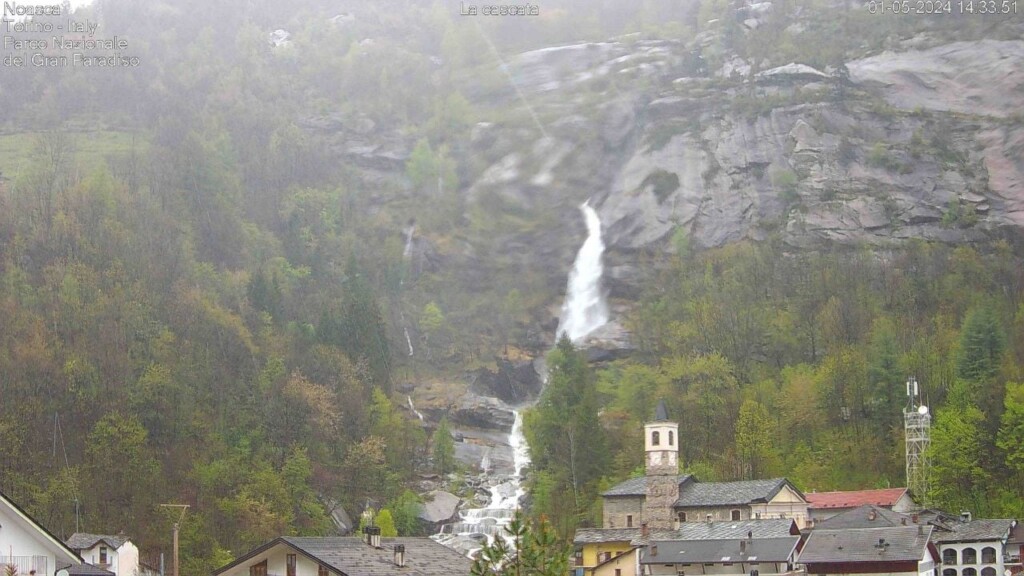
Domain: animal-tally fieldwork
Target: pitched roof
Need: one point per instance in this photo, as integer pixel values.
(601, 535)
(710, 551)
(85, 541)
(70, 556)
(350, 556)
(853, 498)
(902, 543)
(866, 516)
(977, 531)
(637, 486)
(729, 493)
(88, 570)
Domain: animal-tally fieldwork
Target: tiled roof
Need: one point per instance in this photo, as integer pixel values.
(635, 486)
(728, 493)
(976, 531)
(88, 570)
(885, 497)
(903, 543)
(866, 516)
(85, 541)
(712, 551)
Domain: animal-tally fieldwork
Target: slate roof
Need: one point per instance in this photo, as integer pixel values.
(861, 517)
(636, 486)
(85, 541)
(977, 531)
(885, 497)
(601, 535)
(902, 543)
(729, 493)
(713, 551)
(351, 556)
(689, 531)
(88, 570)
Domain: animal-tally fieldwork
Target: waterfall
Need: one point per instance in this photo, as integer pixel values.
(479, 525)
(413, 408)
(585, 309)
(408, 340)
(407, 252)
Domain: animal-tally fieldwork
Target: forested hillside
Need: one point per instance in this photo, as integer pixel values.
(222, 272)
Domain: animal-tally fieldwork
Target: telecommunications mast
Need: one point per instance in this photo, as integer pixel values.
(917, 424)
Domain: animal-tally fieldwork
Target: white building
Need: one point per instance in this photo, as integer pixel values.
(974, 547)
(29, 547)
(114, 553)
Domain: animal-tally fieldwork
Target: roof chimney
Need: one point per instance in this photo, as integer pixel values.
(915, 518)
(872, 515)
(965, 515)
(654, 549)
(903, 521)
(366, 534)
(400, 555)
(743, 546)
(750, 534)
(374, 532)
(644, 530)
(708, 518)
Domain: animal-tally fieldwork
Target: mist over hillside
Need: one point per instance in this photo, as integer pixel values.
(260, 250)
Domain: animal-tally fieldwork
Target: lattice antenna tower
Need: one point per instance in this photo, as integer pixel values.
(917, 423)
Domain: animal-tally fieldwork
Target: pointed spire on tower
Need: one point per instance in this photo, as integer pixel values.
(661, 412)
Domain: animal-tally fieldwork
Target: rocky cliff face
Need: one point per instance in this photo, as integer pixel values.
(921, 143)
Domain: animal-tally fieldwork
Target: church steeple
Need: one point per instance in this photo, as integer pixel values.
(661, 445)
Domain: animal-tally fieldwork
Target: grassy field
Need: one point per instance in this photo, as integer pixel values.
(89, 149)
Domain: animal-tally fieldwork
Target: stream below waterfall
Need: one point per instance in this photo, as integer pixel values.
(477, 526)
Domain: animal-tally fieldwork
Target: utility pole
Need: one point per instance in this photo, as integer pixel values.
(177, 525)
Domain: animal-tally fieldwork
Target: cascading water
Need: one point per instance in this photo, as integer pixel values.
(413, 408)
(480, 525)
(585, 309)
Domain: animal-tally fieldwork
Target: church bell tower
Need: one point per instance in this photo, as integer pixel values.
(661, 447)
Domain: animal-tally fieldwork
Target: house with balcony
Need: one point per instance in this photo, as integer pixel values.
(345, 556)
(116, 554)
(28, 547)
(976, 547)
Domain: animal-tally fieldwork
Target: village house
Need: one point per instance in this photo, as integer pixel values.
(824, 505)
(662, 498)
(116, 554)
(28, 546)
(601, 551)
(349, 556)
(974, 547)
(894, 551)
(738, 556)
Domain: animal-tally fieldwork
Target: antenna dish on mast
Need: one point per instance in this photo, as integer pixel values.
(922, 410)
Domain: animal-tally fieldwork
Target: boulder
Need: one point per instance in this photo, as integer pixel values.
(439, 507)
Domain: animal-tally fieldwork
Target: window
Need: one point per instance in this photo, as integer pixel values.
(103, 555)
(949, 572)
(970, 572)
(671, 438)
(735, 515)
(618, 572)
(970, 557)
(949, 557)
(988, 571)
(258, 569)
(988, 555)
(681, 516)
(655, 438)
(322, 571)
(290, 559)
(629, 520)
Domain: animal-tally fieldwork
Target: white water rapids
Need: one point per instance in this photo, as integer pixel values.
(478, 526)
(585, 309)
